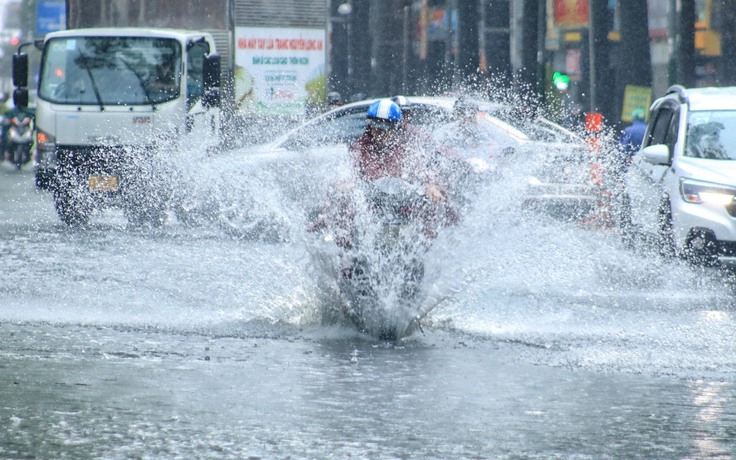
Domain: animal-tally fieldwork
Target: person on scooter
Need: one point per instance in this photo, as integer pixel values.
(20, 111)
(385, 150)
(382, 149)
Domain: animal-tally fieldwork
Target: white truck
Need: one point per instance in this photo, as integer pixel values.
(111, 103)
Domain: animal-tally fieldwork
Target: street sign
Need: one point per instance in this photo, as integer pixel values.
(50, 16)
(635, 97)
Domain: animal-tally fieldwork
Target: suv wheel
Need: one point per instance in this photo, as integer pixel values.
(701, 248)
(666, 239)
(145, 195)
(628, 233)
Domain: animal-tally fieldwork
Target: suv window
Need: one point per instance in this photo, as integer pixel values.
(660, 126)
(711, 134)
(670, 137)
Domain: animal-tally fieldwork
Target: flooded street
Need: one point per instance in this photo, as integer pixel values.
(547, 340)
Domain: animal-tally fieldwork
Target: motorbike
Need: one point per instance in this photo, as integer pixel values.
(382, 234)
(19, 140)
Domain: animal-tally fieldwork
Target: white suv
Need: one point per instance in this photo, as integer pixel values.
(680, 188)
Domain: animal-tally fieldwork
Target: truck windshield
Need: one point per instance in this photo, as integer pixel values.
(110, 70)
(711, 134)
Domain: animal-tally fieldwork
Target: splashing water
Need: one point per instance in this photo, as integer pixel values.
(566, 294)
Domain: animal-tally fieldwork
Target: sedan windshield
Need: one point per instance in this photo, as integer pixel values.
(110, 70)
(711, 134)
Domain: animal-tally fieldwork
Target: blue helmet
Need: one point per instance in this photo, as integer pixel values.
(401, 100)
(384, 110)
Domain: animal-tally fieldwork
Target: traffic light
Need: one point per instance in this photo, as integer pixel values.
(561, 81)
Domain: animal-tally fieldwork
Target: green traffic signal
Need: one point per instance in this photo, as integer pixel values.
(561, 81)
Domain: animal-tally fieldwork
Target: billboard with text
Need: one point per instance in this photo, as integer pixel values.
(278, 70)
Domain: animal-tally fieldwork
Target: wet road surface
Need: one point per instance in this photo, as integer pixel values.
(550, 341)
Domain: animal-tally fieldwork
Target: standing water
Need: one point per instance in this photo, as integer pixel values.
(545, 339)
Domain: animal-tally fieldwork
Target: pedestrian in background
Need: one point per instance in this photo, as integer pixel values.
(632, 137)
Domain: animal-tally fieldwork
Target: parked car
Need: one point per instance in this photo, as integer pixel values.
(303, 164)
(559, 183)
(314, 155)
(344, 124)
(680, 189)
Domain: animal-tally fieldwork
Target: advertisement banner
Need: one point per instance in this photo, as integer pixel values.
(635, 97)
(571, 13)
(279, 71)
(50, 16)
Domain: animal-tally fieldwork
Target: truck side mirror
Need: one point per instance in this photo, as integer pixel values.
(20, 98)
(211, 98)
(20, 70)
(211, 73)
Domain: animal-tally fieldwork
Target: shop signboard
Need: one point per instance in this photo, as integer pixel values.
(277, 69)
(635, 97)
(571, 13)
(50, 16)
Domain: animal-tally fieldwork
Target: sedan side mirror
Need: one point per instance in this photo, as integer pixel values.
(658, 154)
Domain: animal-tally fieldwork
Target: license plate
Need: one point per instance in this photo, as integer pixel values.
(103, 183)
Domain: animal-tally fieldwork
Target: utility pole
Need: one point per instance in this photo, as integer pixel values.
(601, 86)
(728, 44)
(498, 40)
(529, 46)
(360, 49)
(541, 51)
(467, 54)
(686, 43)
(634, 66)
(592, 70)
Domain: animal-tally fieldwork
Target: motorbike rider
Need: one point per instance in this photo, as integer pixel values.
(385, 150)
(19, 111)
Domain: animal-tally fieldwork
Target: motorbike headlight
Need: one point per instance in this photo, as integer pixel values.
(699, 192)
(534, 181)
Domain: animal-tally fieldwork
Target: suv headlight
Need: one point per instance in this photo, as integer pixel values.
(698, 192)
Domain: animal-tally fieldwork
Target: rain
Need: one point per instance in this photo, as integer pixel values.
(223, 327)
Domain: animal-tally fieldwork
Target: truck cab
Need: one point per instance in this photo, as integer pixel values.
(111, 103)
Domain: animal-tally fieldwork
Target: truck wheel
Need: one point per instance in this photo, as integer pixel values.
(143, 202)
(70, 206)
(147, 211)
(42, 181)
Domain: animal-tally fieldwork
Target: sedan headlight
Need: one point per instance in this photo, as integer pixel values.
(698, 192)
